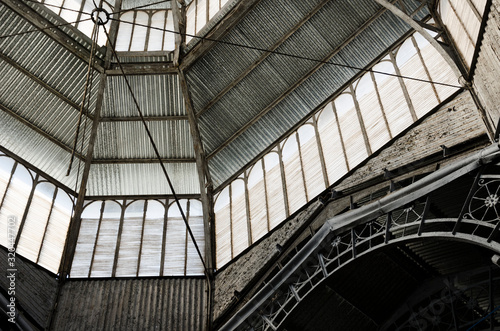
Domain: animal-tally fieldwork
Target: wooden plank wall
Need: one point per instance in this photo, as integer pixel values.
(132, 304)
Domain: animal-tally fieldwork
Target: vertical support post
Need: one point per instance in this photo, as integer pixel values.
(26, 210)
(119, 238)
(301, 160)
(247, 209)
(142, 237)
(54, 196)
(322, 264)
(74, 226)
(403, 88)
(340, 136)
(424, 215)
(388, 228)
(179, 17)
(205, 180)
(203, 173)
(353, 240)
(454, 315)
(283, 181)
(101, 212)
(360, 120)
(320, 151)
(164, 237)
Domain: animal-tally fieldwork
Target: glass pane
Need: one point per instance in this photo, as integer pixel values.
(6, 164)
(274, 186)
(421, 94)
(239, 227)
(313, 171)
(331, 143)
(140, 32)
(86, 240)
(293, 174)
(373, 117)
(175, 245)
(393, 99)
(257, 202)
(124, 31)
(56, 233)
(223, 228)
(194, 266)
(152, 240)
(155, 42)
(14, 204)
(102, 265)
(36, 221)
(130, 241)
(351, 129)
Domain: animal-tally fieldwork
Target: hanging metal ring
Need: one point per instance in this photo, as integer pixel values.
(97, 16)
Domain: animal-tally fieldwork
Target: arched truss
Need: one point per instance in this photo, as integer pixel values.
(399, 217)
(339, 251)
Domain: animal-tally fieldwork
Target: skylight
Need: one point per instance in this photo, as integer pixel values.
(144, 25)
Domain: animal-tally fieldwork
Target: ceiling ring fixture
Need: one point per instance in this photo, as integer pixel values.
(100, 16)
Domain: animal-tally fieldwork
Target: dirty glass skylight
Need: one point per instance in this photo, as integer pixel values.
(144, 25)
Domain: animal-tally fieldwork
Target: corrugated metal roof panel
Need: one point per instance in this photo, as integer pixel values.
(142, 179)
(122, 140)
(144, 304)
(280, 17)
(44, 57)
(151, 4)
(321, 85)
(37, 150)
(220, 67)
(257, 137)
(37, 105)
(346, 17)
(157, 95)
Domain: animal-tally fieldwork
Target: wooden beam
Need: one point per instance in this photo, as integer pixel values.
(157, 68)
(203, 176)
(79, 48)
(37, 170)
(216, 33)
(417, 27)
(179, 17)
(74, 226)
(402, 84)
(141, 197)
(141, 161)
(146, 118)
(142, 54)
(361, 121)
(39, 131)
(262, 57)
(41, 82)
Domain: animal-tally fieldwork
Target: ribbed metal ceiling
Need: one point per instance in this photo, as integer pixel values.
(245, 99)
(261, 96)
